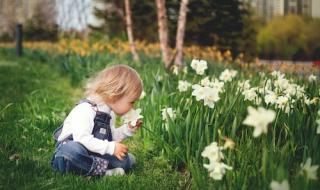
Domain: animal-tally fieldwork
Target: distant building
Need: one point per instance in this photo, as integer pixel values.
(268, 9)
(20, 11)
(315, 10)
(278, 8)
(73, 15)
(69, 15)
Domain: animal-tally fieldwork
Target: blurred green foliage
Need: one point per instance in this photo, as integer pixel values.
(219, 22)
(290, 37)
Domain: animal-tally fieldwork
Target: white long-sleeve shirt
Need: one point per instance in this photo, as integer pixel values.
(80, 122)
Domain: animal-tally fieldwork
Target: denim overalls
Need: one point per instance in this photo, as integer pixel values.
(71, 156)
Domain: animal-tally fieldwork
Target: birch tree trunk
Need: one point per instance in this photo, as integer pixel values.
(180, 32)
(129, 31)
(163, 32)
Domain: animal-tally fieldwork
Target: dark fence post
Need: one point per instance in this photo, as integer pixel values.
(19, 40)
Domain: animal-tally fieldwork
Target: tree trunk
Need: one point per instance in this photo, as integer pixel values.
(180, 32)
(163, 32)
(129, 31)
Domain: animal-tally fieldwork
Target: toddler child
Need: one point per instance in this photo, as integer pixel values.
(88, 142)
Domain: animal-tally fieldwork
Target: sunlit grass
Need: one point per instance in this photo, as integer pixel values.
(277, 155)
(35, 99)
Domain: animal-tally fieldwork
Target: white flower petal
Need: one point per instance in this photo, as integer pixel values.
(259, 119)
(284, 185)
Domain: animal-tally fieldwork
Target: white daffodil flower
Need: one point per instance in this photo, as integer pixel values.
(300, 92)
(284, 185)
(262, 74)
(245, 85)
(211, 96)
(206, 82)
(312, 78)
(216, 167)
(199, 66)
(277, 74)
(202, 66)
(198, 92)
(183, 85)
(250, 94)
(168, 113)
(270, 97)
(227, 75)
(282, 83)
(213, 152)
(194, 63)
(175, 70)
(260, 90)
(259, 119)
(158, 78)
(307, 101)
(208, 94)
(268, 84)
(292, 90)
(309, 170)
(143, 94)
(132, 116)
(217, 84)
(283, 103)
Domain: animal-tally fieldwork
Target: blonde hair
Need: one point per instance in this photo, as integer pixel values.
(114, 82)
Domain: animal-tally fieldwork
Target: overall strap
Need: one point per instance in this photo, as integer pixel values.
(58, 131)
(85, 100)
(101, 129)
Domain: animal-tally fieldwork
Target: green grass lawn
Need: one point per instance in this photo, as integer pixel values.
(38, 91)
(35, 98)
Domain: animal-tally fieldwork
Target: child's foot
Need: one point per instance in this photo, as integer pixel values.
(115, 171)
(132, 159)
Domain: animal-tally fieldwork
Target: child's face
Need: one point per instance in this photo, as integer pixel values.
(123, 105)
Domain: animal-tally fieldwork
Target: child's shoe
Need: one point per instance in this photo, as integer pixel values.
(115, 171)
(132, 159)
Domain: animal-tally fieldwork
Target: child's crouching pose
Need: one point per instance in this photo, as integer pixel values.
(88, 142)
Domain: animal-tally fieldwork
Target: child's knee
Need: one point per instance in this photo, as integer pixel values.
(127, 162)
(72, 149)
(132, 159)
(68, 155)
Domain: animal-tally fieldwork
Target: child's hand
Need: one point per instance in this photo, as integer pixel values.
(137, 126)
(120, 150)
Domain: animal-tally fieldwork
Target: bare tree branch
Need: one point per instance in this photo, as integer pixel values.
(181, 32)
(129, 31)
(163, 32)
